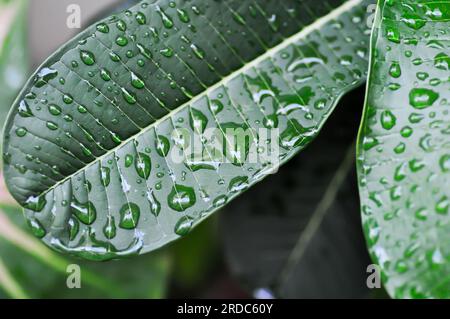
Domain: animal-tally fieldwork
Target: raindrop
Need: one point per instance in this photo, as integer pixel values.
(136, 81)
(422, 98)
(87, 57)
(181, 198)
(85, 212)
(155, 206)
(21, 132)
(105, 176)
(102, 27)
(143, 165)
(184, 226)
(140, 18)
(110, 228)
(129, 216)
(24, 109)
(36, 228)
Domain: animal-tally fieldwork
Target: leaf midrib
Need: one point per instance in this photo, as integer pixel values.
(285, 43)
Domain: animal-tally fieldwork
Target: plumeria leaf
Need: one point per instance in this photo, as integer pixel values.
(404, 148)
(152, 119)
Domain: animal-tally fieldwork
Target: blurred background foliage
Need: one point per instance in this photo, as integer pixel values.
(296, 234)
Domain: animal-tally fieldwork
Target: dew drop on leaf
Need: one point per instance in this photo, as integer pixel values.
(181, 198)
(129, 216)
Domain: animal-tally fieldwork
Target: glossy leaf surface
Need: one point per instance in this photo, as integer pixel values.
(404, 148)
(96, 146)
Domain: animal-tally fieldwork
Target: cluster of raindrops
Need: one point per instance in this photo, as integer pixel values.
(110, 107)
(404, 160)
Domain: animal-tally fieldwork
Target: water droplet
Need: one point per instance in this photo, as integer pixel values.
(238, 184)
(162, 146)
(74, 227)
(54, 109)
(444, 163)
(102, 27)
(442, 61)
(105, 175)
(220, 201)
(167, 52)
(199, 53)
(181, 198)
(129, 216)
(110, 228)
(121, 41)
(294, 135)
(388, 120)
(114, 57)
(137, 82)
(144, 51)
(21, 132)
(198, 121)
(442, 205)
(121, 25)
(52, 126)
(167, 21)
(105, 75)
(421, 214)
(85, 212)
(393, 35)
(24, 109)
(140, 18)
(143, 165)
(216, 106)
(184, 226)
(270, 121)
(44, 76)
(129, 160)
(68, 99)
(422, 98)
(155, 206)
(35, 203)
(87, 57)
(129, 97)
(183, 15)
(36, 228)
(395, 71)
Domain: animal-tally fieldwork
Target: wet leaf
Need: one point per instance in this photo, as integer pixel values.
(136, 91)
(404, 148)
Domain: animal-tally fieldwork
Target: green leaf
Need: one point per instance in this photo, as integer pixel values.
(13, 53)
(142, 83)
(303, 235)
(404, 149)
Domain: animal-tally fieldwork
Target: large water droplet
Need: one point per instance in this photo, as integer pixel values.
(87, 57)
(422, 98)
(110, 228)
(184, 226)
(129, 216)
(181, 198)
(85, 212)
(143, 165)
